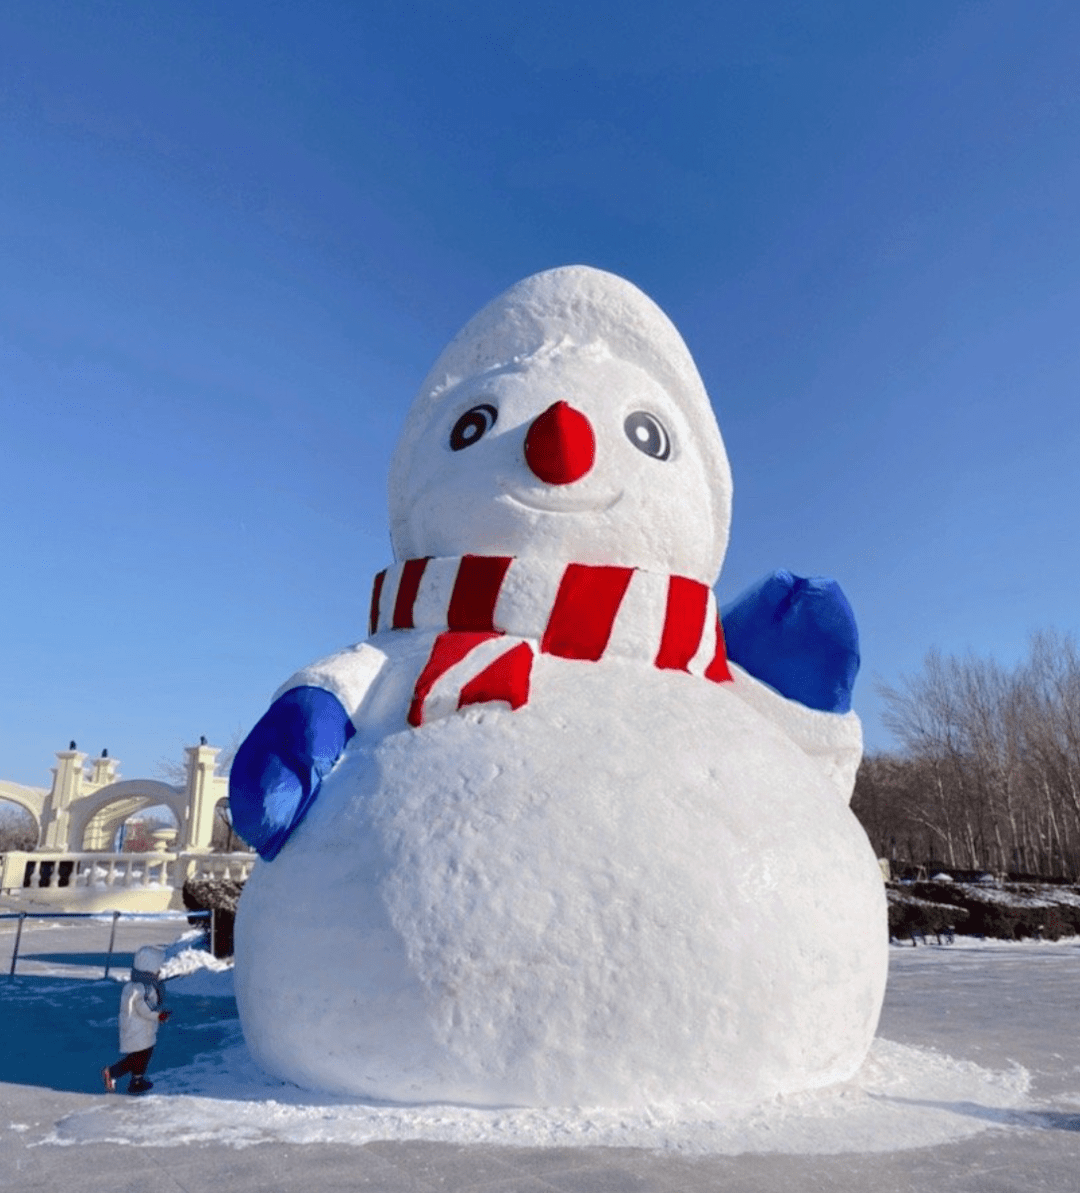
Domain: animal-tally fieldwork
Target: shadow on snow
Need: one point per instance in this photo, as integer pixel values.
(58, 1033)
(117, 962)
(1032, 1120)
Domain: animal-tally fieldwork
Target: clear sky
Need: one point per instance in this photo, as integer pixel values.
(234, 237)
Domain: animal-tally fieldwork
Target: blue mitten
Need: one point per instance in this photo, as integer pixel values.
(277, 772)
(798, 635)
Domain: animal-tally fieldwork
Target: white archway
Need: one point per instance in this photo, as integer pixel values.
(31, 798)
(74, 864)
(18, 822)
(129, 795)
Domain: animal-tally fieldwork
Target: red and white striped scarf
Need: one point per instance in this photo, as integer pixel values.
(492, 614)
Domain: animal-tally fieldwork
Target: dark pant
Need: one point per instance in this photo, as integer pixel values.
(134, 1063)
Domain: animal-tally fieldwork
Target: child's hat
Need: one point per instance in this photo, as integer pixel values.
(151, 957)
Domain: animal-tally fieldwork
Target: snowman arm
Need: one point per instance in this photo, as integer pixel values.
(279, 769)
(832, 740)
(795, 646)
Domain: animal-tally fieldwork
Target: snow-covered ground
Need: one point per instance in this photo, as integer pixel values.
(988, 1066)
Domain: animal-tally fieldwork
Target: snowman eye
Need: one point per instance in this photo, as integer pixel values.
(474, 424)
(648, 434)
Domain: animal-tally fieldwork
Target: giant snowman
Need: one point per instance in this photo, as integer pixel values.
(540, 840)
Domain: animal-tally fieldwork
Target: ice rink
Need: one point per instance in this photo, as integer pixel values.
(974, 1084)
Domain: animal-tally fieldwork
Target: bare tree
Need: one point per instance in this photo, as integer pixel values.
(18, 829)
(174, 770)
(988, 776)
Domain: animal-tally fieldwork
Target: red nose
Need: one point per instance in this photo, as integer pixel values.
(560, 446)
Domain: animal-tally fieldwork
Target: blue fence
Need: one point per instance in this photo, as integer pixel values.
(22, 916)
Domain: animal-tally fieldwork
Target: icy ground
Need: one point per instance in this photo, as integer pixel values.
(988, 1007)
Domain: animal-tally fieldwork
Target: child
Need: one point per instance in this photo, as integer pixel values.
(140, 1013)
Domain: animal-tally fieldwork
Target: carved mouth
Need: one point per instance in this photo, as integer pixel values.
(562, 503)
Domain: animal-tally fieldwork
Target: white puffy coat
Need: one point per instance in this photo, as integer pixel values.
(138, 1020)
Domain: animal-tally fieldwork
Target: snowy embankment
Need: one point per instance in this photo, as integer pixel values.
(903, 1097)
(1005, 911)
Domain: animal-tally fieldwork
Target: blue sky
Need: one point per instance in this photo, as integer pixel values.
(234, 237)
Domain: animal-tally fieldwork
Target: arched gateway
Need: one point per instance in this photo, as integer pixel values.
(30, 799)
(74, 868)
(94, 821)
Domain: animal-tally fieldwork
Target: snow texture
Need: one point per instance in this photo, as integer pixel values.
(641, 888)
(902, 1097)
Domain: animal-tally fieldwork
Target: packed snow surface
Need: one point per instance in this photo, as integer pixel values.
(902, 1097)
(1011, 1064)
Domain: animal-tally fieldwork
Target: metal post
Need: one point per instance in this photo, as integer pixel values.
(18, 937)
(112, 941)
(213, 926)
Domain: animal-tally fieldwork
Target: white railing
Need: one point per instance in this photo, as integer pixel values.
(74, 872)
(82, 871)
(235, 866)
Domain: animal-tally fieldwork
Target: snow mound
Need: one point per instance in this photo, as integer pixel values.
(192, 960)
(902, 1098)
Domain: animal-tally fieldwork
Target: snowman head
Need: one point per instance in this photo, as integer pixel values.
(565, 421)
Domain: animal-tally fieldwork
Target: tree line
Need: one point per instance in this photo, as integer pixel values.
(988, 774)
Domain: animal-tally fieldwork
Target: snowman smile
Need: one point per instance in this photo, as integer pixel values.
(563, 503)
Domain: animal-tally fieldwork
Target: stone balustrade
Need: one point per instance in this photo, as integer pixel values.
(234, 866)
(123, 881)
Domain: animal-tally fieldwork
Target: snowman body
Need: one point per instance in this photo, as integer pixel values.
(631, 880)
